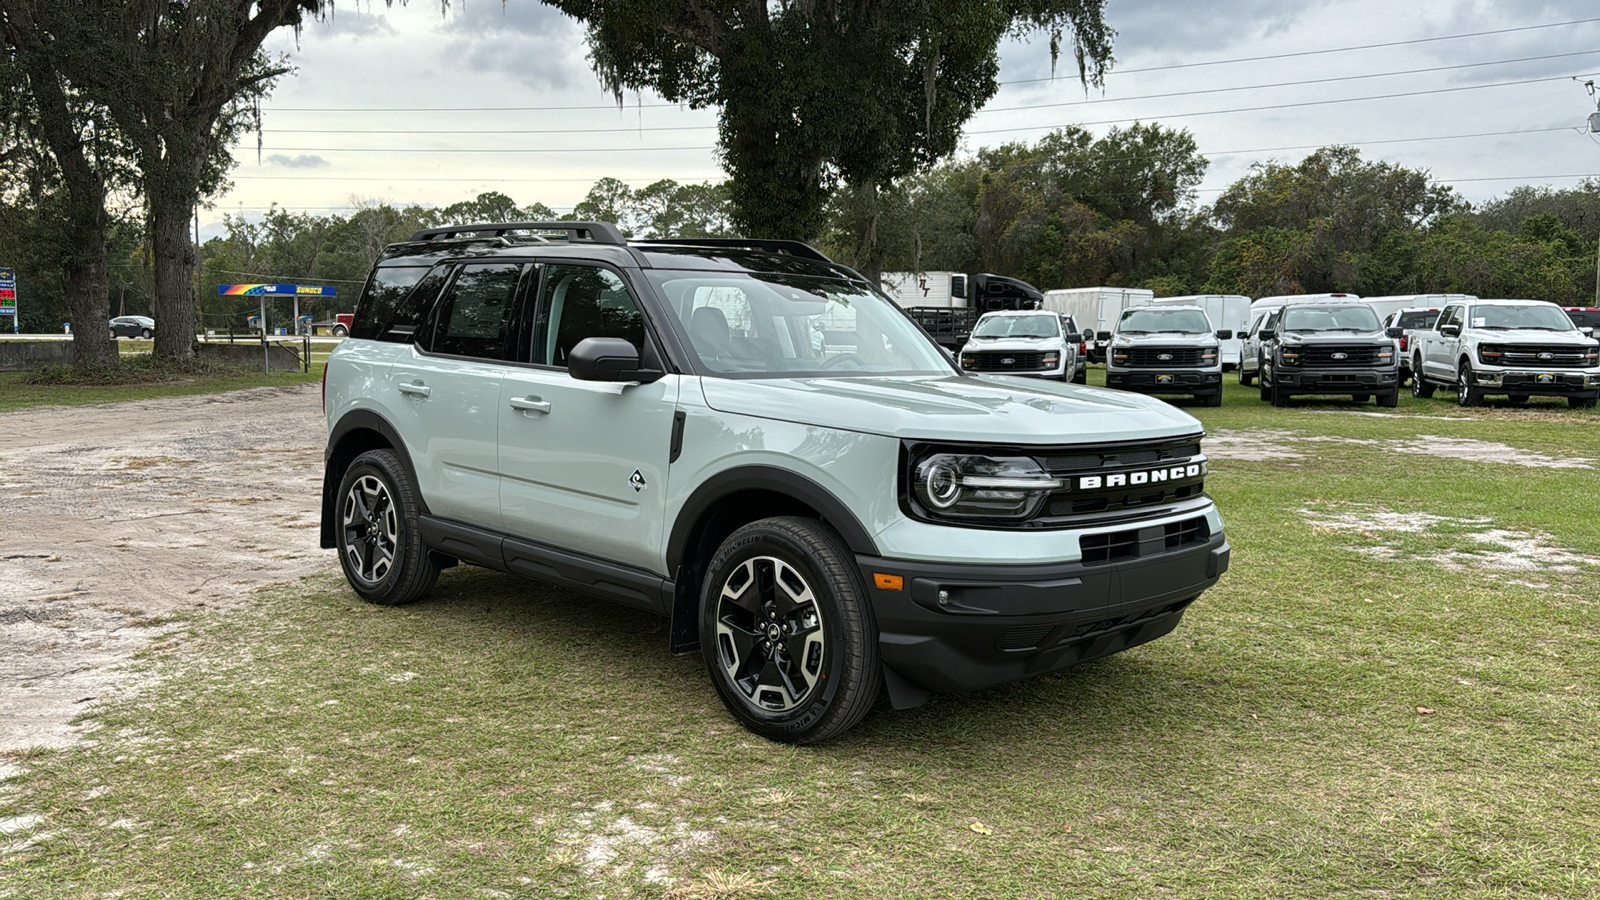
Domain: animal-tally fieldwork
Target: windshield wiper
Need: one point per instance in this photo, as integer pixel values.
(1133, 331)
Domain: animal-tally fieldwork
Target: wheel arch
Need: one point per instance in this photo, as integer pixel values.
(728, 501)
(357, 432)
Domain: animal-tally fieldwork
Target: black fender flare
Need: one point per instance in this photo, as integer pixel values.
(358, 420)
(765, 478)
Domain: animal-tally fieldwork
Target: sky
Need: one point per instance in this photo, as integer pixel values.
(384, 101)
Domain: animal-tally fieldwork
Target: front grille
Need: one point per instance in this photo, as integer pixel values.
(1023, 637)
(1150, 357)
(1533, 356)
(1104, 548)
(1182, 534)
(1339, 356)
(1002, 361)
(1141, 542)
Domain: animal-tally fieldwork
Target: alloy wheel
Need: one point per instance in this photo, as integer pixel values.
(371, 529)
(770, 640)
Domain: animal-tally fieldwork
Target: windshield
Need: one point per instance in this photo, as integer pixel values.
(1422, 318)
(1543, 317)
(1344, 318)
(1045, 326)
(789, 326)
(1163, 321)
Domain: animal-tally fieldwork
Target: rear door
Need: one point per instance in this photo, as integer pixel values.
(1438, 349)
(448, 392)
(583, 464)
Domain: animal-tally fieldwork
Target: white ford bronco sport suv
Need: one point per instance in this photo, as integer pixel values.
(751, 440)
(1167, 350)
(1520, 348)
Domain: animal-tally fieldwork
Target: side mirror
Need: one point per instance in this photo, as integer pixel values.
(1102, 335)
(1266, 334)
(1587, 330)
(608, 359)
(1394, 332)
(1088, 335)
(1225, 334)
(1450, 330)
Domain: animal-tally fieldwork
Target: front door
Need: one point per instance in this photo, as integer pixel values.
(583, 465)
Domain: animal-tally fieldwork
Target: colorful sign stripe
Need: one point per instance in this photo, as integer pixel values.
(303, 290)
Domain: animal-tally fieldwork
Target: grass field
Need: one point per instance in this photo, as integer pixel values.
(17, 393)
(1392, 693)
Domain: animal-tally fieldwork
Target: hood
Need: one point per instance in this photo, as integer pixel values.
(1531, 336)
(1167, 339)
(1334, 337)
(1013, 343)
(990, 409)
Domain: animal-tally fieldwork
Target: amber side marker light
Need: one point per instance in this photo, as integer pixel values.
(889, 582)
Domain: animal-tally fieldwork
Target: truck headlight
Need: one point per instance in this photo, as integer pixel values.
(973, 486)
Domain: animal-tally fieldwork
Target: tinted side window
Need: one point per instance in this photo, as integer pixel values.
(577, 302)
(391, 305)
(474, 314)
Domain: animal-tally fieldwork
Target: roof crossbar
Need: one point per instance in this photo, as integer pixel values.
(577, 232)
(798, 249)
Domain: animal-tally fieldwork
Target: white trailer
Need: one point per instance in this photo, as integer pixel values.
(1227, 312)
(1096, 309)
(942, 289)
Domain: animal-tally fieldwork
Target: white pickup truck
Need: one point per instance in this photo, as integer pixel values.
(1519, 348)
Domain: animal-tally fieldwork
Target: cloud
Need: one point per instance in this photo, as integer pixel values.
(303, 161)
(530, 44)
(352, 23)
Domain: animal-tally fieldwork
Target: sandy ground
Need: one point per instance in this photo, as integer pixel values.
(114, 517)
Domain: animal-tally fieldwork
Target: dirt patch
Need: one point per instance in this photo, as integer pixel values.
(1266, 444)
(119, 516)
(1462, 543)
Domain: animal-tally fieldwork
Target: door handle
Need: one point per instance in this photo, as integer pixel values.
(418, 388)
(530, 404)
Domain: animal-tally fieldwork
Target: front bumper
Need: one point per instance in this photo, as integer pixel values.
(1539, 384)
(1336, 381)
(1164, 381)
(963, 627)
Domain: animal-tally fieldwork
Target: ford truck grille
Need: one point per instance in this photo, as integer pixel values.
(1534, 356)
(1335, 356)
(1002, 361)
(1153, 357)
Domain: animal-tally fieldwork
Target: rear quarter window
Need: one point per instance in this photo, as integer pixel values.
(395, 301)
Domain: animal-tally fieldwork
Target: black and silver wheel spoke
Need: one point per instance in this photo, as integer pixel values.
(770, 640)
(371, 529)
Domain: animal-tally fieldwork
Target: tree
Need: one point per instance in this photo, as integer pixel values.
(814, 93)
(84, 156)
(179, 79)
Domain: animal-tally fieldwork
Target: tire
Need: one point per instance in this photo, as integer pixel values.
(113, 334)
(379, 540)
(1081, 377)
(1246, 378)
(787, 631)
(340, 331)
(146, 333)
(1213, 399)
(1466, 394)
(1389, 400)
(1420, 387)
(1580, 402)
(1279, 397)
(1266, 392)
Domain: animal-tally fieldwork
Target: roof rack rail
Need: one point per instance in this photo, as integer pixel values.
(798, 249)
(590, 232)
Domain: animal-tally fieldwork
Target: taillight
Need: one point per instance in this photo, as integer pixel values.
(1405, 341)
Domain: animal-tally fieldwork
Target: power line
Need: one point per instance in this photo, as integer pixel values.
(687, 179)
(1218, 62)
(685, 106)
(1257, 87)
(1224, 90)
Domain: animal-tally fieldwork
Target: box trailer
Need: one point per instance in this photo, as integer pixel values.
(1227, 312)
(939, 289)
(1096, 309)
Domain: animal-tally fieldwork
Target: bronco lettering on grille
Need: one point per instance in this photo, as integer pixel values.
(1126, 479)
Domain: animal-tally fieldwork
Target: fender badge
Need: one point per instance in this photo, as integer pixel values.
(637, 480)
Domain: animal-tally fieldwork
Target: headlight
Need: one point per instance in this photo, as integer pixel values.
(1008, 487)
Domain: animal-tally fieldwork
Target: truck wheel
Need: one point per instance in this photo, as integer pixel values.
(1466, 394)
(1081, 377)
(1389, 400)
(1266, 391)
(380, 542)
(1214, 399)
(1580, 402)
(1280, 397)
(1421, 387)
(1245, 378)
(787, 631)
